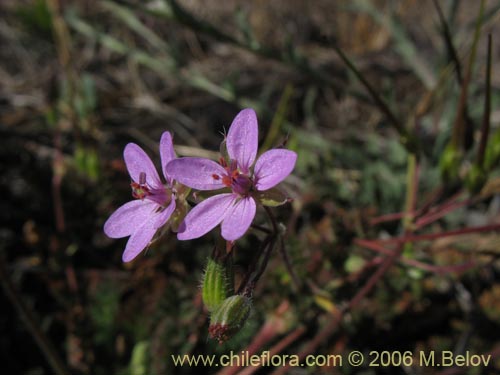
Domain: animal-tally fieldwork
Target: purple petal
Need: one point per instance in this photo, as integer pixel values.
(238, 219)
(143, 234)
(139, 240)
(205, 216)
(197, 173)
(123, 222)
(272, 167)
(163, 216)
(167, 152)
(242, 139)
(139, 162)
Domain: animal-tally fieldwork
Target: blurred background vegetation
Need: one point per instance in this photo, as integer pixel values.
(392, 107)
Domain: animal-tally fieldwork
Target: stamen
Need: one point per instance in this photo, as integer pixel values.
(216, 177)
(222, 162)
(140, 190)
(142, 178)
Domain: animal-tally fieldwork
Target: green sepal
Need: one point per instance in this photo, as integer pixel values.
(181, 210)
(229, 317)
(223, 149)
(272, 198)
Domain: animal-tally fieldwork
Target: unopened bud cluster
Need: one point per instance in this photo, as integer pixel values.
(228, 311)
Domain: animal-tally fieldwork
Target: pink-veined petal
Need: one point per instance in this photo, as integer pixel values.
(238, 219)
(205, 216)
(164, 215)
(139, 240)
(243, 138)
(272, 167)
(167, 152)
(197, 173)
(124, 221)
(143, 234)
(138, 162)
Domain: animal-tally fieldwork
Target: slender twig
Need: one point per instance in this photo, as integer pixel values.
(485, 129)
(282, 250)
(261, 228)
(387, 217)
(407, 140)
(266, 255)
(373, 280)
(433, 236)
(432, 213)
(275, 349)
(286, 259)
(443, 211)
(311, 346)
(253, 266)
(457, 268)
(272, 219)
(179, 14)
(29, 319)
(452, 52)
(460, 135)
(63, 46)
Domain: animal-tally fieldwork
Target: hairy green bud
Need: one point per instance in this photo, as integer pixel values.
(229, 317)
(215, 284)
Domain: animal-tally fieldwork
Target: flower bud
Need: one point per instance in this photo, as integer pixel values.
(215, 284)
(229, 317)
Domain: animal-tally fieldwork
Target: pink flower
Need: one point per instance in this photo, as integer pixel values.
(153, 204)
(235, 209)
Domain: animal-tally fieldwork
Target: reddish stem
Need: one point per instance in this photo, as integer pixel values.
(433, 236)
(431, 217)
(457, 268)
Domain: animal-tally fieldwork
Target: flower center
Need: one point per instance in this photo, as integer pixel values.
(240, 183)
(140, 190)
